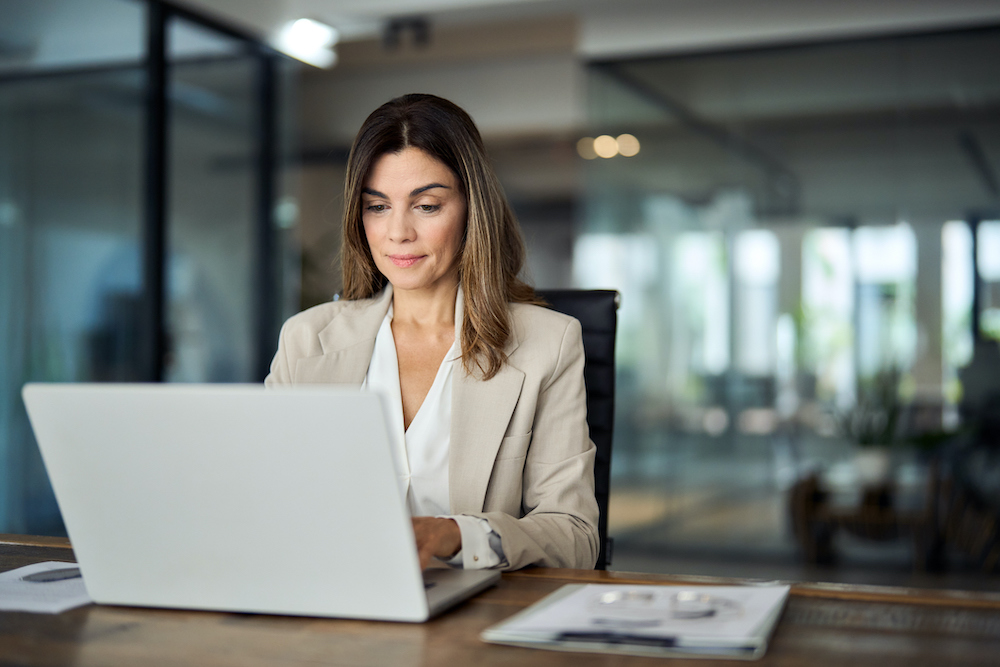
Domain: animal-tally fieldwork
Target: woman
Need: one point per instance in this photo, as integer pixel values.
(489, 415)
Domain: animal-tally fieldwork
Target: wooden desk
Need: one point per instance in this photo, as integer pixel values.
(822, 625)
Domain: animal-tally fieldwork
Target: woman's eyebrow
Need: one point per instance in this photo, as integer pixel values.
(414, 193)
(429, 187)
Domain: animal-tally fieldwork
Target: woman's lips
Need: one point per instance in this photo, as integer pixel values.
(403, 261)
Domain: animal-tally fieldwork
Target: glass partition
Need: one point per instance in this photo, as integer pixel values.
(71, 124)
(79, 241)
(211, 220)
(773, 218)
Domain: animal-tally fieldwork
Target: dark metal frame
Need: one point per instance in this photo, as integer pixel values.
(265, 275)
(154, 227)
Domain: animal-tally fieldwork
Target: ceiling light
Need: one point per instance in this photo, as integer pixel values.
(585, 147)
(309, 41)
(627, 145)
(606, 146)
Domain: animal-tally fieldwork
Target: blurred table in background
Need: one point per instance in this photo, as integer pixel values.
(821, 505)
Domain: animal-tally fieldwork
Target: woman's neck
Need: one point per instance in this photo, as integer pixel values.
(425, 308)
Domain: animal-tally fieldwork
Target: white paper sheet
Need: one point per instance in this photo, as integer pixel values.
(18, 592)
(727, 613)
(657, 620)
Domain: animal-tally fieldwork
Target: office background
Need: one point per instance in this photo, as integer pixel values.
(794, 203)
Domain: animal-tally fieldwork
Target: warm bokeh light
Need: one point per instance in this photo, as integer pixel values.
(628, 145)
(606, 146)
(585, 147)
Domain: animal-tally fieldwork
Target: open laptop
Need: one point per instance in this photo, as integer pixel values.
(237, 498)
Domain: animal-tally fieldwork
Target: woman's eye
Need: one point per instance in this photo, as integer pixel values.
(375, 208)
(428, 208)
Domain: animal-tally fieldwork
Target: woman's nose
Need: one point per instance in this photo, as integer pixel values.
(401, 227)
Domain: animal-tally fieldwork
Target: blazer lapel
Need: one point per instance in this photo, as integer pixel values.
(347, 342)
(480, 414)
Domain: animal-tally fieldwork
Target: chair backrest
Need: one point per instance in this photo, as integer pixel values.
(597, 311)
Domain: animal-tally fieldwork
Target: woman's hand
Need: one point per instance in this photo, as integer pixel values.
(436, 537)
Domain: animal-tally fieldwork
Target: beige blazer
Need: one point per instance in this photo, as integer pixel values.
(521, 456)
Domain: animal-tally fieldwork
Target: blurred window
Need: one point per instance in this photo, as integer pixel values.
(988, 266)
(828, 312)
(700, 304)
(885, 260)
(757, 269)
(957, 276)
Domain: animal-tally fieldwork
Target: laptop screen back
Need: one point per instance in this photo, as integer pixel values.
(231, 497)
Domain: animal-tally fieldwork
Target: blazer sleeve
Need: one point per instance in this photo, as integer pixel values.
(558, 526)
(280, 371)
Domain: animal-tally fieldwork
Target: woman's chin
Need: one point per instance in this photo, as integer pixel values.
(412, 283)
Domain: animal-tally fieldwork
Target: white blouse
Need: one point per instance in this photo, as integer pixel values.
(420, 452)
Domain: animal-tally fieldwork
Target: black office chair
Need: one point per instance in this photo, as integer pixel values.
(597, 311)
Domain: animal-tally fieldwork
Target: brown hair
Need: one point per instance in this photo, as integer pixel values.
(492, 253)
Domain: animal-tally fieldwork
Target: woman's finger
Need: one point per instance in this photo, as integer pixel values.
(436, 537)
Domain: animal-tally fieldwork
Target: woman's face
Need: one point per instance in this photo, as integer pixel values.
(414, 213)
